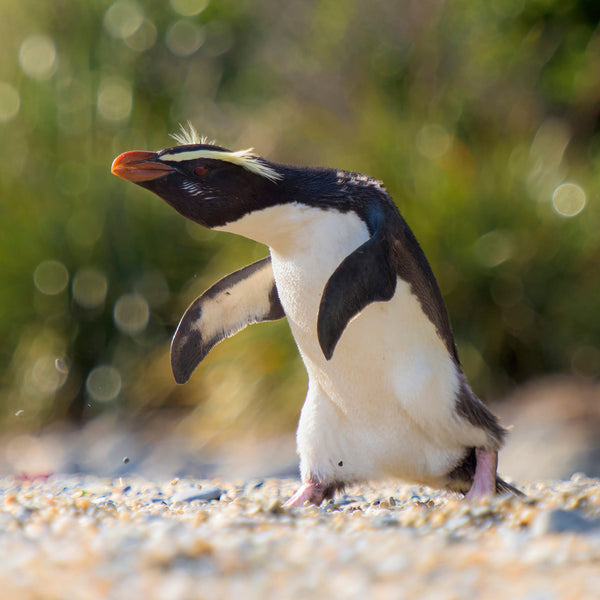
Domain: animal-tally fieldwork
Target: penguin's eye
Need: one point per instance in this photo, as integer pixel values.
(200, 171)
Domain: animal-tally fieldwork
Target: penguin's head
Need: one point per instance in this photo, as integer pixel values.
(205, 183)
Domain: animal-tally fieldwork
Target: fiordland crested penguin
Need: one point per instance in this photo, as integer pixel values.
(386, 392)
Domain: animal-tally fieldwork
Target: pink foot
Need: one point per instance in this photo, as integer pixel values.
(484, 481)
(309, 492)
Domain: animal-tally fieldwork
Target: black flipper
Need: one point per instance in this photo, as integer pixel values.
(364, 276)
(236, 301)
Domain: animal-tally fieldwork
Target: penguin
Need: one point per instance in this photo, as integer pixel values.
(387, 396)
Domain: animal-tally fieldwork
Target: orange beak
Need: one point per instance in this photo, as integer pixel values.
(138, 166)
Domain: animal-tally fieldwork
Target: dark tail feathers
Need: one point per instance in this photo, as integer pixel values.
(506, 488)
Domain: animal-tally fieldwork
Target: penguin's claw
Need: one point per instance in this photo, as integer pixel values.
(308, 492)
(484, 481)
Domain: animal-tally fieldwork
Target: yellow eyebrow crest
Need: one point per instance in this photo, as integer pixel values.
(246, 159)
(189, 136)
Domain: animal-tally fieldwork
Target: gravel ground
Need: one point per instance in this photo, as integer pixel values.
(83, 537)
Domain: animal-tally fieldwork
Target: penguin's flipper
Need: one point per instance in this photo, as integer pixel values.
(364, 276)
(236, 301)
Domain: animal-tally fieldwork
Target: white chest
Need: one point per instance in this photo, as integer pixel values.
(302, 271)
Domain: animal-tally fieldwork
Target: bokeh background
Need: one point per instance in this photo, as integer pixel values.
(482, 119)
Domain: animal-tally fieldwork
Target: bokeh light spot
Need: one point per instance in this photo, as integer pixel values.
(115, 99)
(153, 286)
(44, 377)
(103, 383)
(90, 287)
(51, 277)
(10, 102)
(184, 38)
(550, 142)
(37, 56)
(74, 103)
(519, 319)
(123, 19)
(433, 141)
(84, 229)
(568, 199)
(187, 8)
(219, 38)
(144, 38)
(131, 313)
(494, 248)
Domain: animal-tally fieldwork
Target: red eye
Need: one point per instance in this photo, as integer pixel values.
(200, 171)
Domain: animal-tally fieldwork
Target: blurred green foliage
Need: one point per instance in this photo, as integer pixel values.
(482, 119)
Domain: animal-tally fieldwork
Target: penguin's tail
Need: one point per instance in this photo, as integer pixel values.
(502, 487)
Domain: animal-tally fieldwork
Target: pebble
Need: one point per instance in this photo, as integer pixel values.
(564, 521)
(382, 521)
(89, 538)
(206, 493)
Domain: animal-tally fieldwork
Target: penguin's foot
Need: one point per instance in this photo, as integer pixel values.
(484, 480)
(312, 492)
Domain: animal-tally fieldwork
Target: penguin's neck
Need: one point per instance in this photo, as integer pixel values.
(307, 244)
(298, 232)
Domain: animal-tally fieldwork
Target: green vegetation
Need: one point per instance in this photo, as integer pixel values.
(482, 119)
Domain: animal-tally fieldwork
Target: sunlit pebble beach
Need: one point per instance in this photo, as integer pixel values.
(84, 537)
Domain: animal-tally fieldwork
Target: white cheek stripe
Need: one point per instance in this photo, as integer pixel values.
(243, 158)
